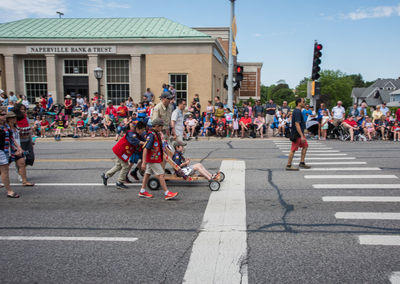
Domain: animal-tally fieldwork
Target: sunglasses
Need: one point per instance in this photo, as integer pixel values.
(2, 114)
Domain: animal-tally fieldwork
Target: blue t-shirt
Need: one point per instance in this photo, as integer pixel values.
(178, 158)
(306, 114)
(320, 115)
(50, 102)
(141, 114)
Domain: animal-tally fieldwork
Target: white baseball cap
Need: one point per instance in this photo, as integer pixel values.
(1, 91)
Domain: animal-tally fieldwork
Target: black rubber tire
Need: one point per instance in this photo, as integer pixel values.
(153, 183)
(168, 172)
(214, 185)
(222, 176)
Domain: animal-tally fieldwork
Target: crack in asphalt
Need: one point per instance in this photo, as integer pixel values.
(287, 207)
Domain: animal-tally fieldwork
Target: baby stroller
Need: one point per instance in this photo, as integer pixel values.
(312, 126)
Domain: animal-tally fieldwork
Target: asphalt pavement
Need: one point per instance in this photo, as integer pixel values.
(338, 222)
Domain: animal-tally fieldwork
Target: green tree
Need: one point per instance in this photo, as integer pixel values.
(336, 86)
(264, 94)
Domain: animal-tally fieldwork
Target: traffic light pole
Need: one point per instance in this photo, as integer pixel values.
(230, 64)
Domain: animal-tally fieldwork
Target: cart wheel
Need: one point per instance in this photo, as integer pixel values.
(168, 172)
(221, 176)
(153, 183)
(214, 185)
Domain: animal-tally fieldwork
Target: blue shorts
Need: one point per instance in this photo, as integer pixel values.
(135, 158)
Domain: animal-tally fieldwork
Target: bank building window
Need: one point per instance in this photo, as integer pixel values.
(117, 75)
(75, 66)
(35, 79)
(180, 84)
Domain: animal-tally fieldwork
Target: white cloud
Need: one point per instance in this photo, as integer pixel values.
(258, 35)
(19, 9)
(101, 4)
(374, 12)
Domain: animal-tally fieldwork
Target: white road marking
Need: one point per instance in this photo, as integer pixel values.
(395, 278)
(336, 163)
(349, 176)
(378, 240)
(318, 154)
(368, 215)
(361, 198)
(342, 169)
(47, 238)
(77, 184)
(356, 186)
(221, 246)
(329, 158)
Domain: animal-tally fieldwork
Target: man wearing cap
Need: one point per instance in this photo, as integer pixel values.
(177, 125)
(153, 158)
(163, 111)
(79, 99)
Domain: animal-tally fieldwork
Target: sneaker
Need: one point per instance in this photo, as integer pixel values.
(120, 185)
(291, 168)
(304, 166)
(145, 194)
(171, 195)
(105, 179)
(134, 175)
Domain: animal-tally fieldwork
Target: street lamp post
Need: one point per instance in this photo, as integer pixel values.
(98, 74)
(230, 59)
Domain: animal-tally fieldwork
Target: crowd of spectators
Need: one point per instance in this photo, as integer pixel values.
(96, 117)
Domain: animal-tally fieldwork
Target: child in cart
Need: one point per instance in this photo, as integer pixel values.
(184, 164)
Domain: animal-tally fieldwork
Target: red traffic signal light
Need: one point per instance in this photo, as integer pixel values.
(316, 61)
(239, 73)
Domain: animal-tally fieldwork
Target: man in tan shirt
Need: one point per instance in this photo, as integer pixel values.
(163, 111)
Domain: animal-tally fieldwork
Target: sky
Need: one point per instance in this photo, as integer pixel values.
(358, 36)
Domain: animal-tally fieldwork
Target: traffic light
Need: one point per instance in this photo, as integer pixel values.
(315, 88)
(316, 61)
(239, 73)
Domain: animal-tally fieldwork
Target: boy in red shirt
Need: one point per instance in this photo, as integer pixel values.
(153, 158)
(44, 125)
(80, 125)
(122, 111)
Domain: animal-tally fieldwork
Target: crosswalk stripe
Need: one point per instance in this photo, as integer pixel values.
(221, 246)
(328, 158)
(342, 169)
(320, 154)
(368, 215)
(356, 186)
(336, 163)
(378, 240)
(361, 198)
(395, 277)
(349, 176)
(317, 151)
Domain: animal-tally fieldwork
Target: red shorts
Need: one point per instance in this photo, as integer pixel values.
(298, 144)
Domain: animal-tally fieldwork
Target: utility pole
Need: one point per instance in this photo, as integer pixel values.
(230, 64)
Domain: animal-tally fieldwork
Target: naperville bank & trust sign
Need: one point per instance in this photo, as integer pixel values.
(71, 49)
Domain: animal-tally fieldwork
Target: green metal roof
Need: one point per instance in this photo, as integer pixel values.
(83, 28)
